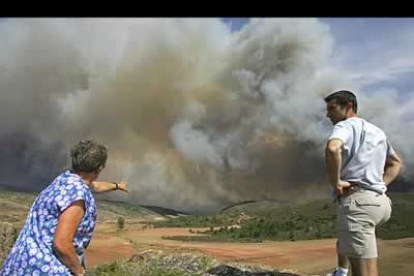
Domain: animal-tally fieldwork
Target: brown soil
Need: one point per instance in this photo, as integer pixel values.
(314, 257)
(301, 255)
(105, 249)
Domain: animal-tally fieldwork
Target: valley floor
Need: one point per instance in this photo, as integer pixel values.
(309, 257)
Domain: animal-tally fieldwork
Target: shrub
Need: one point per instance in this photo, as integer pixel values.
(120, 223)
(8, 235)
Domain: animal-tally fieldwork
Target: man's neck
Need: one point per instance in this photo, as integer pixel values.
(352, 115)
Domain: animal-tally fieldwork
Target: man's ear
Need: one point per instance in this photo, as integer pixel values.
(349, 106)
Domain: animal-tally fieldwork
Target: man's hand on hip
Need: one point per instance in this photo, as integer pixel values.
(343, 188)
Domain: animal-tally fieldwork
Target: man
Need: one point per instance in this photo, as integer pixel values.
(361, 163)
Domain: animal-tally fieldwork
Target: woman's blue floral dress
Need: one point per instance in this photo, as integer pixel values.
(32, 254)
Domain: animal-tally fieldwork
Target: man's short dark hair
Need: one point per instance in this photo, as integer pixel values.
(88, 156)
(343, 97)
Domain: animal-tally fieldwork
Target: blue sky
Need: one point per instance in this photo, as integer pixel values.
(376, 53)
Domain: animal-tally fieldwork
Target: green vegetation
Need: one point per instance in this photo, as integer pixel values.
(120, 223)
(23, 199)
(210, 238)
(265, 220)
(248, 222)
(313, 220)
(226, 217)
(254, 207)
(197, 221)
(157, 264)
(401, 223)
(280, 222)
(123, 268)
(111, 210)
(177, 264)
(8, 235)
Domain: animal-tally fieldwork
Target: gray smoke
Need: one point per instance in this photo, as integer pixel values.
(195, 117)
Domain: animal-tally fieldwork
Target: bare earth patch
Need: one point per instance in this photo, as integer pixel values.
(106, 249)
(310, 257)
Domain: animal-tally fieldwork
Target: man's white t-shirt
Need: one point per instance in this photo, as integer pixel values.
(364, 151)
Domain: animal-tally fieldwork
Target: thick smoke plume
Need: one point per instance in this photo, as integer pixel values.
(195, 117)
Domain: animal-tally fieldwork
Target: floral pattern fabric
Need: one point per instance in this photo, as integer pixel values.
(32, 253)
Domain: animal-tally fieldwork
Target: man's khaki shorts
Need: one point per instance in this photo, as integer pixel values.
(357, 216)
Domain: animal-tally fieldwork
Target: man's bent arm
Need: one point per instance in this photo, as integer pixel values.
(393, 166)
(334, 163)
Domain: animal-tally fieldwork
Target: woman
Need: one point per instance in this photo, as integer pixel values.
(60, 223)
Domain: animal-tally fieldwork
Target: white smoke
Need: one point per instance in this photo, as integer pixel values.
(194, 116)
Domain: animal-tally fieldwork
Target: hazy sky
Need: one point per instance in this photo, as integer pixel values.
(377, 53)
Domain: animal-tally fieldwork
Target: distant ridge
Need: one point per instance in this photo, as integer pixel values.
(165, 211)
(108, 209)
(401, 185)
(253, 206)
(237, 204)
(12, 188)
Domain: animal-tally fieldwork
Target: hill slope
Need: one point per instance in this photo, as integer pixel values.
(14, 207)
(268, 220)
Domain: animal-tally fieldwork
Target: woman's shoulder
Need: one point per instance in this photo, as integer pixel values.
(70, 188)
(73, 181)
(69, 185)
